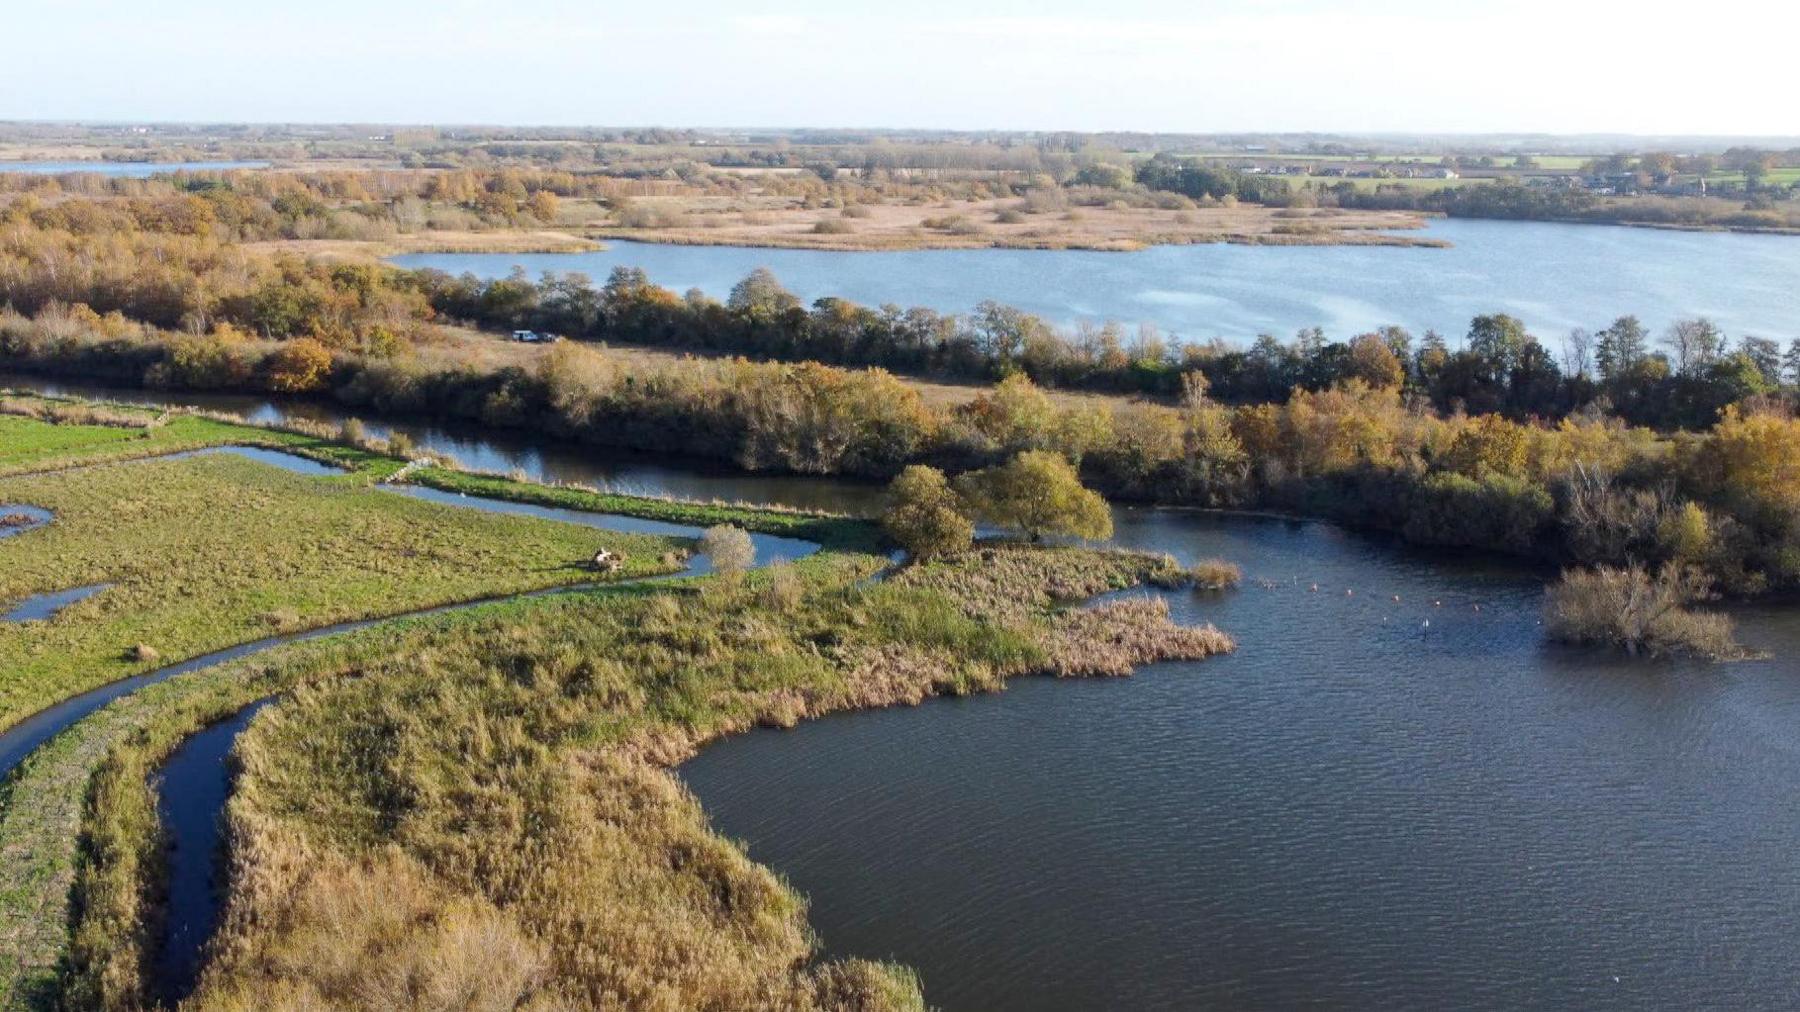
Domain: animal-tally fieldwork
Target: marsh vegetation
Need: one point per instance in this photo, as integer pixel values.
(571, 708)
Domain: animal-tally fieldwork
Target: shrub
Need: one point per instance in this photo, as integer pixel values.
(1493, 512)
(298, 366)
(729, 548)
(1216, 574)
(924, 514)
(1632, 610)
(832, 226)
(1010, 217)
(856, 211)
(650, 216)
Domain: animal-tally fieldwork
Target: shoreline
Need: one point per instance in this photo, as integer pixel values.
(832, 244)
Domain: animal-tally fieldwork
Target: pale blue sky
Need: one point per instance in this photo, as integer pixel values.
(1201, 65)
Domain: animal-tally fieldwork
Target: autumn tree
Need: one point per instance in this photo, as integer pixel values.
(924, 514)
(1036, 493)
(1373, 361)
(544, 206)
(298, 366)
(1751, 455)
(1016, 415)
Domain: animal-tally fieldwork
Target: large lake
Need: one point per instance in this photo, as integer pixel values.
(124, 170)
(1409, 803)
(1555, 277)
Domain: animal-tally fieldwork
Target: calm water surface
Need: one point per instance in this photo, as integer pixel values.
(124, 170)
(1356, 809)
(1555, 277)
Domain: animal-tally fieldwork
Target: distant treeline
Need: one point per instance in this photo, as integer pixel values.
(1500, 198)
(1500, 368)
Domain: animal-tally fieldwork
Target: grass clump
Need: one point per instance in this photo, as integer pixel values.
(1207, 574)
(1632, 609)
(1215, 574)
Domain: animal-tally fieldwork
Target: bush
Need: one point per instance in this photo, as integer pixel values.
(1010, 217)
(1494, 511)
(856, 211)
(299, 366)
(924, 515)
(1216, 574)
(1631, 610)
(729, 548)
(832, 226)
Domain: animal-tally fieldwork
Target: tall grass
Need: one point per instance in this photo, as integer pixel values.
(499, 784)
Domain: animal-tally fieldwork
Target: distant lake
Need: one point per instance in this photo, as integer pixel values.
(124, 170)
(1555, 277)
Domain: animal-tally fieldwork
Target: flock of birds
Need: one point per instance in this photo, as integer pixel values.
(1313, 588)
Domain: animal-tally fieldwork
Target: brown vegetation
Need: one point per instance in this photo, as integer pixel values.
(518, 844)
(1639, 612)
(979, 223)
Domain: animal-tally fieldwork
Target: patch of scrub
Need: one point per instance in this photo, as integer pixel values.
(19, 519)
(40, 607)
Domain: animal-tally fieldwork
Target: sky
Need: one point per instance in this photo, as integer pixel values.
(1436, 66)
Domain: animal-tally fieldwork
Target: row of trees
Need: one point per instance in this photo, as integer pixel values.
(1589, 488)
(1683, 380)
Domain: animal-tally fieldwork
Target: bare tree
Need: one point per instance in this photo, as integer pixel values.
(1578, 353)
(1695, 343)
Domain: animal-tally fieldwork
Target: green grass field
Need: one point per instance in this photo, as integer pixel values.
(1785, 176)
(203, 553)
(31, 444)
(1370, 185)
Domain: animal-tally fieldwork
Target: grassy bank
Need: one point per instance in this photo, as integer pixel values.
(484, 811)
(203, 553)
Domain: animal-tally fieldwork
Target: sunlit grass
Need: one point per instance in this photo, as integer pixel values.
(207, 552)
